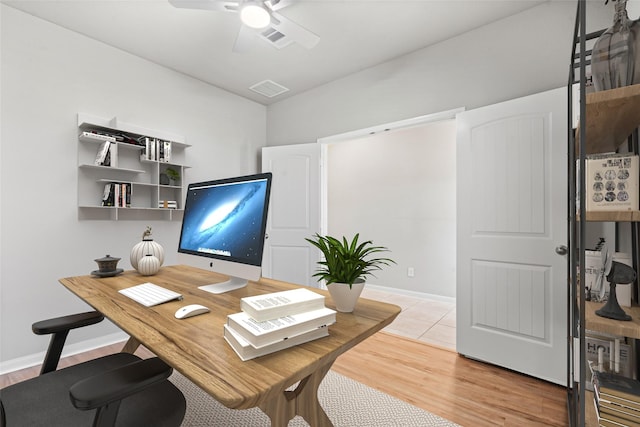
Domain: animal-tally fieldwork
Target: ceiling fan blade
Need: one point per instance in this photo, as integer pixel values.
(244, 41)
(295, 32)
(278, 4)
(216, 5)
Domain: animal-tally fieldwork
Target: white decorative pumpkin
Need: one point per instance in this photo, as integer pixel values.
(148, 265)
(146, 247)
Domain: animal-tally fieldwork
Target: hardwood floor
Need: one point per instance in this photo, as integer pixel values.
(461, 390)
(438, 380)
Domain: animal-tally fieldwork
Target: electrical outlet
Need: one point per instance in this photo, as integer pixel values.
(411, 272)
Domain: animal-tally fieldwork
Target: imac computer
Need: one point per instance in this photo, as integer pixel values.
(224, 227)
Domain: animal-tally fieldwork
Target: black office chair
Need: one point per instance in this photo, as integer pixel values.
(115, 390)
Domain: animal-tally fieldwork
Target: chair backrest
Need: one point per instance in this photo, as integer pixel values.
(3, 419)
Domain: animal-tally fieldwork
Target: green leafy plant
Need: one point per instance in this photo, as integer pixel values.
(344, 261)
(172, 174)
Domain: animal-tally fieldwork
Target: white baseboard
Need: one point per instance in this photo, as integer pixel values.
(69, 350)
(414, 294)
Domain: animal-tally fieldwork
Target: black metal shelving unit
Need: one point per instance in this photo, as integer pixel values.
(577, 397)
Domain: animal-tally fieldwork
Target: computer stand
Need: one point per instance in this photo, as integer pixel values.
(230, 285)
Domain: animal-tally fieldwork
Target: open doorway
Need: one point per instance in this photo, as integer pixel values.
(398, 189)
(395, 184)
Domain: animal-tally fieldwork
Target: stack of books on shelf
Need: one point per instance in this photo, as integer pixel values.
(117, 194)
(168, 204)
(273, 322)
(617, 399)
(155, 149)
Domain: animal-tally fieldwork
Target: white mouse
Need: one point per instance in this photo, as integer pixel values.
(191, 310)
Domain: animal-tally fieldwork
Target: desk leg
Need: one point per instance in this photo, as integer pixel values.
(131, 346)
(302, 401)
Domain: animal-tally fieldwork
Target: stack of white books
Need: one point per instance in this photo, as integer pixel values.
(168, 204)
(273, 322)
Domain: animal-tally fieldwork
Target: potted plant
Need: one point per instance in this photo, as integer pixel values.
(345, 267)
(174, 175)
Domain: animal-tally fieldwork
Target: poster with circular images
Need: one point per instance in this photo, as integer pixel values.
(612, 180)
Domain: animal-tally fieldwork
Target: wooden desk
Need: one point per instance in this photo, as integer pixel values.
(196, 347)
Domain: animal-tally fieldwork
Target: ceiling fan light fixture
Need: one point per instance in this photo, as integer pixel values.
(253, 14)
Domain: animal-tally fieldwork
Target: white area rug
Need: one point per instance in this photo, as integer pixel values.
(348, 403)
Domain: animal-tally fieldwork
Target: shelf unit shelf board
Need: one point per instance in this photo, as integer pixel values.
(139, 184)
(134, 208)
(623, 328)
(163, 163)
(612, 115)
(112, 168)
(613, 216)
(87, 121)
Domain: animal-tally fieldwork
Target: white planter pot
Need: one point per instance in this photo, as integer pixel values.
(146, 247)
(345, 298)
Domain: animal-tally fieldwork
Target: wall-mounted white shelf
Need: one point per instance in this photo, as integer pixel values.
(142, 178)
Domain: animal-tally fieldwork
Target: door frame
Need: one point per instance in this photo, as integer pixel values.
(361, 133)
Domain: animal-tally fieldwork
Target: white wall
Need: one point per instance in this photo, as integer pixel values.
(517, 56)
(48, 75)
(398, 189)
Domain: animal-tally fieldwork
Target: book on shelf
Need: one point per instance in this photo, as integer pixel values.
(108, 194)
(608, 400)
(167, 151)
(147, 153)
(607, 420)
(278, 304)
(108, 155)
(103, 151)
(246, 351)
(268, 332)
(614, 412)
(609, 384)
(126, 195)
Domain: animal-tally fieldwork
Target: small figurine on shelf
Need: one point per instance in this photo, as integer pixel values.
(146, 247)
(617, 273)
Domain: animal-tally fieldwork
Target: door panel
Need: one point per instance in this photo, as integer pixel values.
(512, 213)
(294, 212)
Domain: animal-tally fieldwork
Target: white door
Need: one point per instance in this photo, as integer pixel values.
(511, 215)
(294, 212)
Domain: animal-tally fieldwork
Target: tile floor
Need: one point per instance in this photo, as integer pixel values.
(423, 319)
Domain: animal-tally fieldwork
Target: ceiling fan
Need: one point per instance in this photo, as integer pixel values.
(259, 17)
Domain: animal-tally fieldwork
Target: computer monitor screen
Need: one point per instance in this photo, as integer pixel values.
(224, 225)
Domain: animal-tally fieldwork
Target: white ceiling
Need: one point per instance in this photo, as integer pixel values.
(354, 34)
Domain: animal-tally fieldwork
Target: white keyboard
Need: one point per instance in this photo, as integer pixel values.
(149, 294)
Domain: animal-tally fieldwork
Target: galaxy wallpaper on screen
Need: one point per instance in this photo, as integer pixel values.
(226, 220)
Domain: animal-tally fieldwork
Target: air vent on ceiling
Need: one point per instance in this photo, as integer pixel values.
(275, 37)
(268, 88)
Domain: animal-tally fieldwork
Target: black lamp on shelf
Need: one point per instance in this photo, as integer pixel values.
(617, 274)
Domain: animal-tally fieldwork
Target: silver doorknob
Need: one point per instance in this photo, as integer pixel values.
(561, 250)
